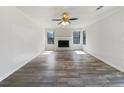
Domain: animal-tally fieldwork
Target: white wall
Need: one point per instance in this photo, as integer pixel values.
(64, 34)
(105, 39)
(20, 40)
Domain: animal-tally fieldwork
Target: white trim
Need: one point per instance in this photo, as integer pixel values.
(103, 60)
(15, 69)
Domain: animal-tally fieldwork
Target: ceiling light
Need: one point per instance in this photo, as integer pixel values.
(65, 23)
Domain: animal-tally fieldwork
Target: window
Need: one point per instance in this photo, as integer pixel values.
(76, 37)
(84, 37)
(50, 37)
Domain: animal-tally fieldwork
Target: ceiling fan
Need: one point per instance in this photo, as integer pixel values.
(65, 20)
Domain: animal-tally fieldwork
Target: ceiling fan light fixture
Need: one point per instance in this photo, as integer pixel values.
(65, 23)
(65, 20)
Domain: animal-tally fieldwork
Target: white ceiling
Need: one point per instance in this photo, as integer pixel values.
(86, 14)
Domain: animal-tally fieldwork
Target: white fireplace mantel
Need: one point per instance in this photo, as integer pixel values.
(63, 38)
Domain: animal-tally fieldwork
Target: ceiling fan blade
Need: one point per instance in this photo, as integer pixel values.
(59, 23)
(73, 19)
(56, 19)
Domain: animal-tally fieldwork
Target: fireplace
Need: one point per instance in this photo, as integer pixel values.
(63, 43)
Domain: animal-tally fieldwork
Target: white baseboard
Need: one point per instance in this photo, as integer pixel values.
(104, 60)
(19, 66)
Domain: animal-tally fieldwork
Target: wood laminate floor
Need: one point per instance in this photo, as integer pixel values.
(65, 69)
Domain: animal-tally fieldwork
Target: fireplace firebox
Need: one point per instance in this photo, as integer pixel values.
(63, 43)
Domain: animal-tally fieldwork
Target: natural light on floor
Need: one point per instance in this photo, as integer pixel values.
(47, 52)
(80, 52)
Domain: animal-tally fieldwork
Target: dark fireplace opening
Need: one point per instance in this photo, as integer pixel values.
(63, 43)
